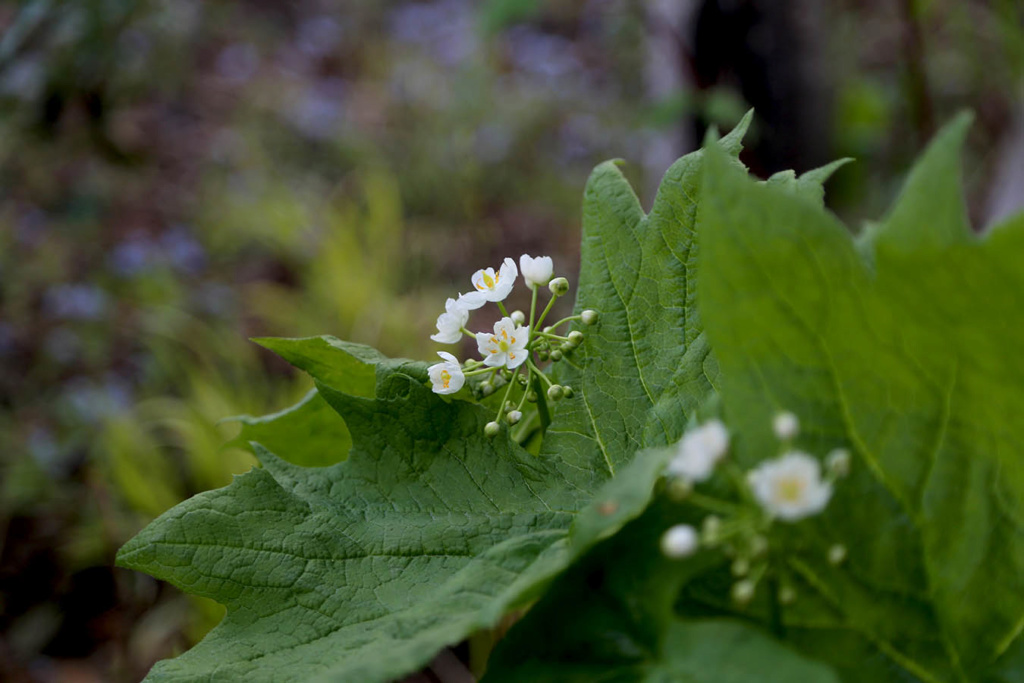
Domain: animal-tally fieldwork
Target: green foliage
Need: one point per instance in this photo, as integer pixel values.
(900, 348)
(911, 362)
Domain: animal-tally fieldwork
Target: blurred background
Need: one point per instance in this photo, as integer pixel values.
(176, 177)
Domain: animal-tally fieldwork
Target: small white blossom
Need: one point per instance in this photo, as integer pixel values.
(451, 322)
(490, 286)
(786, 426)
(790, 487)
(680, 541)
(537, 271)
(699, 451)
(507, 346)
(446, 377)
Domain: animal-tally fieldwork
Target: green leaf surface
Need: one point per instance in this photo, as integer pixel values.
(310, 433)
(914, 365)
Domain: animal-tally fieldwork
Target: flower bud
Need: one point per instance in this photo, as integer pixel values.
(547, 330)
(786, 426)
(588, 317)
(518, 317)
(509, 405)
(837, 554)
(544, 354)
(710, 529)
(532, 397)
(787, 595)
(758, 545)
(743, 591)
(679, 489)
(740, 566)
(555, 392)
(567, 391)
(559, 286)
(838, 462)
(522, 380)
(491, 429)
(575, 338)
(556, 355)
(680, 541)
(514, 417)
(486, 388)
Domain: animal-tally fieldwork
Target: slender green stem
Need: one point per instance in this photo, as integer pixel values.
(711, 504)
(566, 320)
(468, 333)
(526, 392)
(501, 307)
(476, 371)
(542, 401)
(533, 307)
(543, 315)
(537, 372)
(504, 400)
(548, 335)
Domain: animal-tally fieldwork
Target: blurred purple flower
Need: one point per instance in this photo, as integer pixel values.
(93, 401)
(447, 28)
(318, 112)
(541, 54)
(319, 36)
(238, 62)
(76, 302)
(182, 251)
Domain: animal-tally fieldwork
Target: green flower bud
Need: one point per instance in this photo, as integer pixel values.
(486, 388)
(740, 566)
(743, 591)
(556, 355)
(559, 286)
(491, 429)
(532, 397)
(787, 595)
(514, 417)
(518, 317)
(588, 317)
(544, 354)
(575, 338)
(567, 392)
(837, 554)
(555, 392)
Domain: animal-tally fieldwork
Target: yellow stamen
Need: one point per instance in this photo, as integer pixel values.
(489, 281)
(791, 490)
(446, 377)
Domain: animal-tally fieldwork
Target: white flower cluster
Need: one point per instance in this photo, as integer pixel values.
(788, 488)
(509, 346)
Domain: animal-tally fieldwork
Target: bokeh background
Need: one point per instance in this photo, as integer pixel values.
(179, 176)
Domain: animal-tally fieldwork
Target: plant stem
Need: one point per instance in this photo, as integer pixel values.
(537, 371)
(501, 307)
(542, 401)
(566, 320)
(712, 504)
(533, 307)
(543, 315)
(504, 400)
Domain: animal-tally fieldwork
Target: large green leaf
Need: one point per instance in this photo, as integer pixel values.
(912, 362)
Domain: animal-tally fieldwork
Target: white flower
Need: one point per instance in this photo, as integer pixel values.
(447, 377)
(490, 286)
(537, 271)
(680, 541)
(786, 426)
(451, 322)
(699, 451)
(790, 487)
(507, 346)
